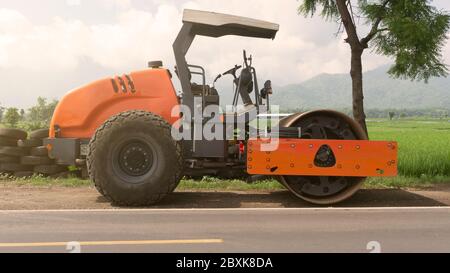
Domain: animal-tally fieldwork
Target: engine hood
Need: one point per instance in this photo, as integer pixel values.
(84, 109)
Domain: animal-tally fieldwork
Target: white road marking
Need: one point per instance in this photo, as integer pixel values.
(227, 209)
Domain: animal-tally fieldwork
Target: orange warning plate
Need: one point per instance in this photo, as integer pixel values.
(296, 157)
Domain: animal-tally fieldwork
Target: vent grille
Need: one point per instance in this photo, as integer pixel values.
(123, 84)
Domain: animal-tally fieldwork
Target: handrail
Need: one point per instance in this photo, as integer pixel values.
(203, 74)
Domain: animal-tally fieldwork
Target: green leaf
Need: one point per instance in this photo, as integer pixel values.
(412, 32)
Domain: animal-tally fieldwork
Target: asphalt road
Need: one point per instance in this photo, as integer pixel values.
(228, 230)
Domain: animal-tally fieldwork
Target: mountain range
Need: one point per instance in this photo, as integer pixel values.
(334, 91)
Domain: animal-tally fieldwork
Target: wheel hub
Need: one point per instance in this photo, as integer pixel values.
(135, 158)
(325, 157)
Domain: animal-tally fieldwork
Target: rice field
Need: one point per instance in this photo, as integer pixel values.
(424, 145)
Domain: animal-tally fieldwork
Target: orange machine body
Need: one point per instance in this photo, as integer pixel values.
(85, 109)
(354, 158)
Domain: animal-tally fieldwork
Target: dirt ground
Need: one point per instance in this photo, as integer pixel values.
(55, 198)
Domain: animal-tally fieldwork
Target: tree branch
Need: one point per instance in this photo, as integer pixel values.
(374, 31)
(349, 25)
(365, 41)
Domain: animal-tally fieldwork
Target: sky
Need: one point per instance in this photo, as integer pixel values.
(49, 47)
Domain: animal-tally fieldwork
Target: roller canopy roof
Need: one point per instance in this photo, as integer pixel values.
(217, 25)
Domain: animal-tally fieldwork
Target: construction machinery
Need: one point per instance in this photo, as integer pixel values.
(127, 128)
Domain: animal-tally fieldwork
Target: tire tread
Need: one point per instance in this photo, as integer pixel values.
(117, 121)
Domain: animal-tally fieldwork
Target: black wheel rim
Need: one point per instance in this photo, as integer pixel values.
(134, 158)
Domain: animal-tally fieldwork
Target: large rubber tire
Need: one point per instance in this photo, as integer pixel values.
(36, 160)
(13, 151)
(30, 143)
(6, 141)
(39, 151)
(9, 159)
(39, 134)
(13, 133)
(158, 163)
(14, 167)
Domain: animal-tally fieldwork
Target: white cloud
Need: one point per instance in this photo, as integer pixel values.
(73, 3)
(305, 47)
(121, 4)
(299, 52)
(446, 53)
(134, 36)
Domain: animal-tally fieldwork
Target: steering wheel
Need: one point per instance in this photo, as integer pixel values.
(232, 71)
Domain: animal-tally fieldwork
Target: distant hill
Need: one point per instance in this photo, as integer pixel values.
(381, 92)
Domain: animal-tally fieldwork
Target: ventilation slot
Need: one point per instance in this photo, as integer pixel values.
(122, 85)
(131, 83)
(115, 87)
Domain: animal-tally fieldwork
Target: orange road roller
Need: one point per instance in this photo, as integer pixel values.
(139, 137)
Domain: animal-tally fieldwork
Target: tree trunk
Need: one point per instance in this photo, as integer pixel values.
(357, 88)
(356, 63)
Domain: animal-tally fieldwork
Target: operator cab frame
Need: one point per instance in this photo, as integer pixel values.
(211, 24)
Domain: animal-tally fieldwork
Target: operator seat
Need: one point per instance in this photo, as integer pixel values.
(211, 95)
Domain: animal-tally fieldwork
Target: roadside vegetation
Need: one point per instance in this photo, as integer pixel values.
(36, 117)
(214, 184)
(424, 145)
(208, 183)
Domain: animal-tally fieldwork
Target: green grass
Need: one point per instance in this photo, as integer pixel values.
(400, 182)
(214, 184)
(217, 184)
(404, 182)
(206, 184)
(39, 181)
(424, 145)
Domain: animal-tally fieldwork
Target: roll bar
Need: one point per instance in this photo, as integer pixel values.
(214, 25)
